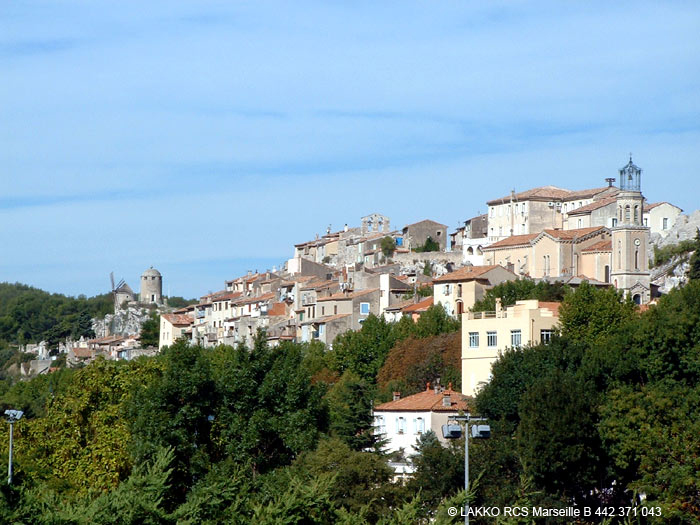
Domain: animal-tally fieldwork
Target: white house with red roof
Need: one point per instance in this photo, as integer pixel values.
(402, 421)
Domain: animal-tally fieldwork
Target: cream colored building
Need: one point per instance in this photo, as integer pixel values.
(172, 327)
(537, 209)
(550, 253)
(485, 335)
(660, 217)
(458, 291)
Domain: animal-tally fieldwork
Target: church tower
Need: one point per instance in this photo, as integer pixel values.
(630, 238)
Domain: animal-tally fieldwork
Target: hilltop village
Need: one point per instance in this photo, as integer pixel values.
(333, 282)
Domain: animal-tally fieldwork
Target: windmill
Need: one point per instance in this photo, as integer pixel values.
(114, 290)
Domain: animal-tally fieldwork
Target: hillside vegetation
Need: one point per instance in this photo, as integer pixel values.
(31, 315)
(608, 410)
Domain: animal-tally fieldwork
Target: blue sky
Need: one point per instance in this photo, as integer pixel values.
(206, 138)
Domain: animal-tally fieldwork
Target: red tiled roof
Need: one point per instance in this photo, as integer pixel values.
(593, 206)
(568, 235)
(544, 193)
(342, 295)
(600, 246)
(466, 273)
(178, 319)
(541, 193)
(399, 306)
(553, 306)
(513, 240)
(426, 401)
(420, 306)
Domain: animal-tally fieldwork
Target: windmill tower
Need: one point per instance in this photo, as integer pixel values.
(121, 292)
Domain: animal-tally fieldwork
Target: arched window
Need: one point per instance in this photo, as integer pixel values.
(627, 214)
(636, 259)
(619, 255)
(636, 214)
(607, 273)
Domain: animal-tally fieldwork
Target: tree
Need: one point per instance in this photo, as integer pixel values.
(429, 246)
(364, 351)
(511, 291)
(558, 441)
(150, 331)
(388, 246)
(439, 470)
(350, 410)
(591, 316)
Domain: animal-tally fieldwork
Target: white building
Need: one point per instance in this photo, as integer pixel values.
(403, 420)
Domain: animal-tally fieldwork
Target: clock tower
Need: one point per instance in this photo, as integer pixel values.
(630, 238)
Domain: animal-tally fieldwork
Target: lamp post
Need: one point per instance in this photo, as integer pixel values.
(454, 431)
(12, 417)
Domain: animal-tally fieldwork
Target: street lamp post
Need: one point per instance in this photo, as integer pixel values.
(454, 431)
(12, 417)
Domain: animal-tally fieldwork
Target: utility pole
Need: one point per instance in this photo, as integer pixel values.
(12, 417)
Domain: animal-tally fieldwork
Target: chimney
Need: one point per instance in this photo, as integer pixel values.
(446, 400)
(397, 396)
(345, 228)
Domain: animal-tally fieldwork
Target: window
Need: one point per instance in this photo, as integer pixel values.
(665, 220)
(473, 339)
(516, 338)
(491, 339)
(614, 222)
(321, 329)
(335, 309)
(580, 223)
(323, 310)
(546, 336)
(379, 425)
(418, 425)
(447, 289)
(364, 308)
(400, 425)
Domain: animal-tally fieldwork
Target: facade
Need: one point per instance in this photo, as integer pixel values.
(416, 234)
(660, 217)
(550, 253)
(151, 287)
(485, 335)
(172, 327)
(630, 239)
(458, 291)
(402, 421)
(535, 210)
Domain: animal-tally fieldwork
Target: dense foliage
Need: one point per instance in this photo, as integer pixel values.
(30, 315)
(609, 410)
(511, 291)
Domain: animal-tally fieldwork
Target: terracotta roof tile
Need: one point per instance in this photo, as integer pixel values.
(595, 205)
(427, 401)
(420, 306)
(601, 246)
(567, 235)
(178, 319)
(466, 273)
(553, 306)
(513, 240)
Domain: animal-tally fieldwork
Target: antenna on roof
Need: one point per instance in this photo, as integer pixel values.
(610, 181)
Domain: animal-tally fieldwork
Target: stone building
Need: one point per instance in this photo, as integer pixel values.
(151, 287)
(415, 235)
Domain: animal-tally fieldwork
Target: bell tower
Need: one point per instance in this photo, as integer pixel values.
(630, 238)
